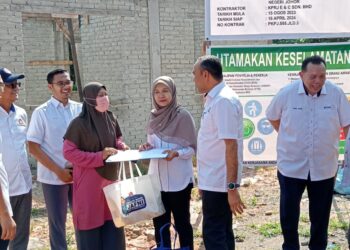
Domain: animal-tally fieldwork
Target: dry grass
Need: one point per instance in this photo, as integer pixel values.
(257, 228)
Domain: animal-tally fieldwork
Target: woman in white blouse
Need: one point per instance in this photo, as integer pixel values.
(171, 127)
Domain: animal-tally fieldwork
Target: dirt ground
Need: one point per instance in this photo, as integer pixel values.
(257, 228)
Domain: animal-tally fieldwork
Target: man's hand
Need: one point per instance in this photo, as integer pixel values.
(69, 167)
(275, 124)
(65, 175)
(234, 200)
(171, 154)
(8, 226)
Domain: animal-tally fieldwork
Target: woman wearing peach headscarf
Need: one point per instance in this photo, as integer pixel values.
(171, 127)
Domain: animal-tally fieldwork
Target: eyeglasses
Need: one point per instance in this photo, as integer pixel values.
(63, 84)
(13, 85)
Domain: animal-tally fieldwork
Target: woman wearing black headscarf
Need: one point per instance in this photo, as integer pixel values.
(90, 139)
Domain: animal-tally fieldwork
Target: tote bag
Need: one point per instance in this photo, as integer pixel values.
(134, 199)
(342, 181)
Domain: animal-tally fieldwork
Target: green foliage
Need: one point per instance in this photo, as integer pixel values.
(304, 231)
(38, 212)
(253, 201)
(270, 229)
(195, 194)
(312, 40)
(253, 226)
(240, 237)
(70, 238)
(197, 233)
(334, 246)
(335, 224)
(304, 218)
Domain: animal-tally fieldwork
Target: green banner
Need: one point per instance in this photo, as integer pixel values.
(280, 58)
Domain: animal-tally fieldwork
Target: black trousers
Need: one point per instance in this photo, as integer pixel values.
(320, 195)
(177, 203)
(105, 237)
(217, 221)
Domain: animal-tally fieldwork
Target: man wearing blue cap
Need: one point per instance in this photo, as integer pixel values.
(13, 129)
(7, 224)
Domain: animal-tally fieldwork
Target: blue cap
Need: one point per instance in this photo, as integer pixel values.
(8, 77)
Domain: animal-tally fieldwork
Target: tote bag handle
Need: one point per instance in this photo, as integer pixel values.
(122, 172)
(162, 247)
(161, 233)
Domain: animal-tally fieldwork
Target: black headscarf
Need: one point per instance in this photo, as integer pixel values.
(92, 130)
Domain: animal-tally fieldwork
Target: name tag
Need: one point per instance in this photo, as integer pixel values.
(21, 122)
(206, 112)
(327, 107)
(297, 108)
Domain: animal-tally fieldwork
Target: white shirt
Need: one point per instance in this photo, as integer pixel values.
(309, 130)
(4, 182)
(222, 118)
(47, 127)
(176, 174)
(13, 129)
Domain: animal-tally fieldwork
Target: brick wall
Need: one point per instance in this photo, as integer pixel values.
(115, 51)
(11, 45)
(182, 30)
(114, 48)
(41, 42)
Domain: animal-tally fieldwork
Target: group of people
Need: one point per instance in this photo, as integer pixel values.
(44, 136)
(71, 142)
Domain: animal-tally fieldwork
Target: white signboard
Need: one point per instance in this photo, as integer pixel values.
(276, 19)
(256, 74)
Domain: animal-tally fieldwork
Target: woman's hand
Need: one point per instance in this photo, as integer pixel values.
(108, 151)
(125, 147)
(171, 154)
(144, 147)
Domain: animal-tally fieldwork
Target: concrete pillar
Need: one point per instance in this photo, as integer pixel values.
(154, 38)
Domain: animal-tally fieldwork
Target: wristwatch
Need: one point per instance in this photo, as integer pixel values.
(232, 186)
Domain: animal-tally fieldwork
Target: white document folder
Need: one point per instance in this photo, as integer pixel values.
(133, 155)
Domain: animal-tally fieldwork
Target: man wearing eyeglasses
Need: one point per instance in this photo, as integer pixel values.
(13, 129)
(7, 224)
(45, 140)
